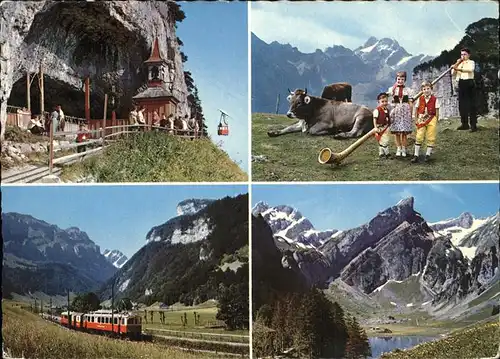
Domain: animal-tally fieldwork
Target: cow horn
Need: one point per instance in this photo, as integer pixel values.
(306, 91)
(289, 91)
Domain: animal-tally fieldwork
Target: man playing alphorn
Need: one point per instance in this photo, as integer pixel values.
(463, 70)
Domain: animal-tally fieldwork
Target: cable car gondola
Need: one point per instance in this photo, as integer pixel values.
(223, 127)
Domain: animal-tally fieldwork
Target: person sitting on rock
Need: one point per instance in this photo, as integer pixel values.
(35, 126)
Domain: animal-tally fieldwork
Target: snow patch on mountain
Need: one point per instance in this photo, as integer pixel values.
(115, 257)
(288, 223)
(124, 285)
(459, 228)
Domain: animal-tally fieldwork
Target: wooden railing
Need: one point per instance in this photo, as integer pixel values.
(99, 135)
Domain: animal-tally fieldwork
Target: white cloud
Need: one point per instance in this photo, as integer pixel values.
(296, 31)
(446, 191)
(420, 27)
(403, 194)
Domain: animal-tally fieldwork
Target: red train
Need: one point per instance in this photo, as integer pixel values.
(126, 325)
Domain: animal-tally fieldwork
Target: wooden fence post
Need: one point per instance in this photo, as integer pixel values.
(40, 84)
(28, 91)
(87, 99)
(51, 146)
(104, 119)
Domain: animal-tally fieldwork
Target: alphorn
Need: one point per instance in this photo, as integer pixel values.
(326, 155)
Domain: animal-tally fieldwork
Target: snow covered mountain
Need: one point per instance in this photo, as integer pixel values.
(462, 229)
(446, 263)
(115, 257)
(290, 226)
(388, 52)
(370, 68)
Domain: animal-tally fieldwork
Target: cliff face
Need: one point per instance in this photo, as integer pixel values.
(107, 41)
(481, 38)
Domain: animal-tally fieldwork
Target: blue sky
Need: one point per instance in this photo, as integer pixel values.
(114, 217)
(215, 37)
(413, 24)
(344, 206)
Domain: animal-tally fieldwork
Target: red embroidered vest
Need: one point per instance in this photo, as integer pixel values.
(383, 117)
(400, 91)
(431, 106)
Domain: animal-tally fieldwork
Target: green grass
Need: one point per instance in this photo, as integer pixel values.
(476, 342)
(173, 321)
(459, 155)
(157, 157)
(28, 336)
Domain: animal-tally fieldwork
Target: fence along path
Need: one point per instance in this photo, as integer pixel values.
(99, 137)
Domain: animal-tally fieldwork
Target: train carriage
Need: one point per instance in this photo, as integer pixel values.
(104, 322)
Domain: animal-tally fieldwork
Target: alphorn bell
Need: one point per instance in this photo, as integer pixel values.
(326, 155)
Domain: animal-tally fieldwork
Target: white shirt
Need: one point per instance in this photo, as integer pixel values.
(406, 92)
(375, 113)
(61, 115)
(140, 116)
(467, 65)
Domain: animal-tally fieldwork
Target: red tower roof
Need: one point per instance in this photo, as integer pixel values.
(155, 53)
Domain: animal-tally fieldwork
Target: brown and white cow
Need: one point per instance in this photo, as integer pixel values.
(318, 116)
(341, 91)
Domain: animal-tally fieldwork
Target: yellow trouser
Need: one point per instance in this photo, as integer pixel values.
(384, 139)
(428, 133)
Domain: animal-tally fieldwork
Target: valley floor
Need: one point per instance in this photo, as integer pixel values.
(293, 157)
(27, 335)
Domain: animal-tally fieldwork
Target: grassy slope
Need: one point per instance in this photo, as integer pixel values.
(156, 157)
(173, 321)
(460, 155)
(27, 335)
(479, 341)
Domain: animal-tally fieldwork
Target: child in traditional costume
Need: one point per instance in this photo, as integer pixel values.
(401, 124)
(382, 121)
(427, 115)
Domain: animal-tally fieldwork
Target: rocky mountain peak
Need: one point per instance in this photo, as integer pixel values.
(192, 206)
(372, 40)
(259, 208)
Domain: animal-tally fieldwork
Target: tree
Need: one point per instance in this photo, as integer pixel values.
(188, 79)
(184, 57)
(357, 343)
(86, 302)
(124, 304)
(265, 314)
(233, 306)
(176, 12)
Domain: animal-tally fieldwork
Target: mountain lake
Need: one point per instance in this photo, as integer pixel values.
(380, 345)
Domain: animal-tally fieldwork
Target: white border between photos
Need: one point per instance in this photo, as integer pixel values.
(249, 183)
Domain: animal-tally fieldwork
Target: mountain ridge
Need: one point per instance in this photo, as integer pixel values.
(396, 245)
(370, 69)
